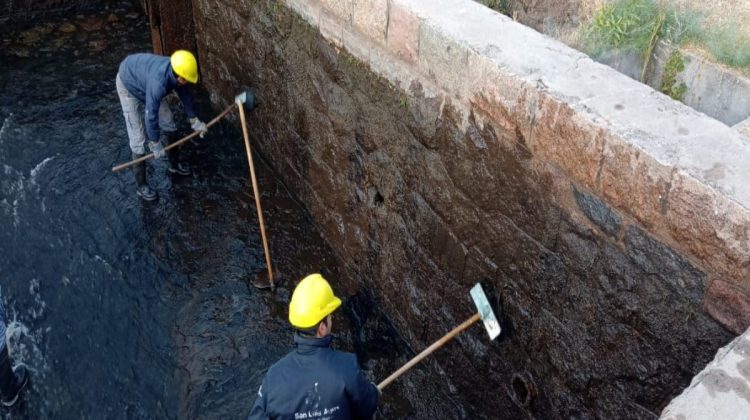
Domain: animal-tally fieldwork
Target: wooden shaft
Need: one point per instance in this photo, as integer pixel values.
(426, 352)
(175, 144)
(256, 193)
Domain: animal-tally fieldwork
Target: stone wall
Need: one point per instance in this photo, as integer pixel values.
(439, 143)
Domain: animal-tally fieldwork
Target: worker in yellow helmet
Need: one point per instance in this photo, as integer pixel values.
(314, 378)
(143, 82)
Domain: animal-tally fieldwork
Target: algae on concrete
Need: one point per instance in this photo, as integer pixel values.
(669, 85)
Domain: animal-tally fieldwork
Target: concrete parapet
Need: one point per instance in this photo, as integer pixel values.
(721, 390)
(371, 18)
(744, 128)
(680, 174)
(403, 33)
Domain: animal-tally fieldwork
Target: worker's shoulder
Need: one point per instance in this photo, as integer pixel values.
(344, 360)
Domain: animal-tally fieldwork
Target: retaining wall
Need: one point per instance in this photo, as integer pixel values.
(440, 143)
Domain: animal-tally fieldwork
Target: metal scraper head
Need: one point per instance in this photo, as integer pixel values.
(485, 311)
(241, 98)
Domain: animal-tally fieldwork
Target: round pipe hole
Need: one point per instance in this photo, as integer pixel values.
(522, 389)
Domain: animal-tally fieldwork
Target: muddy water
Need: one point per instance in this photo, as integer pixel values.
(130, 310)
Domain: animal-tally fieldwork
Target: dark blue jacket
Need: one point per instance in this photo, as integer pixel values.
(315, 382)
(149, 78)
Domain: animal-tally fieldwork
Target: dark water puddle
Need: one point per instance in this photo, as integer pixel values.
(136, 310)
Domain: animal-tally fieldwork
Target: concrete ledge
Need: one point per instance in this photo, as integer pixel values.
(680, 174)
(371, 19)
(721, 390)
(403, 33)
(744, 128)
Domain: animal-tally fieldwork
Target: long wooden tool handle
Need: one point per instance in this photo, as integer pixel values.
(175, 144)
(426, 352)
(256, 193)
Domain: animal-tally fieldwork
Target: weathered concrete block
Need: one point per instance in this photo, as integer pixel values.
(633, 181)
(342, 9)
(744, 128)
(728, 304)
(442, 59)
(598, 212)
(403, 33)
(308, 9)
(715, 90)
(332, 27)
(561, 136)
(370, 17)
(713, 228)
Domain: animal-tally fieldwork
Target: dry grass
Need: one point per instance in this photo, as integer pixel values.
(721, 12)
(728, 19)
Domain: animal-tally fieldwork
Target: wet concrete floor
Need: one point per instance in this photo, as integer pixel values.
(133, 310)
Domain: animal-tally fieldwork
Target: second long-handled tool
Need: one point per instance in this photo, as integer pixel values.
(241, 100)
(177, 143)
(484, 312)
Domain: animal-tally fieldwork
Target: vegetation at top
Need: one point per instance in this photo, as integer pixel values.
(637, 25)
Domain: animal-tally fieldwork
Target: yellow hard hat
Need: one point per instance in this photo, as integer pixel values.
(312, 301)
(184, 65)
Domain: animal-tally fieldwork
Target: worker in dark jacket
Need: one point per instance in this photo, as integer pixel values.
(12, 381)
(315, 381)
(143, 82)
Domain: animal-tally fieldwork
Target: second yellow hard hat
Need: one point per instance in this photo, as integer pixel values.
(312, 301)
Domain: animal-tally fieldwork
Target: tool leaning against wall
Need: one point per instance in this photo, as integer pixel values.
(484, 312)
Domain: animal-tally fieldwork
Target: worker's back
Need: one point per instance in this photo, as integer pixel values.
(315, 382)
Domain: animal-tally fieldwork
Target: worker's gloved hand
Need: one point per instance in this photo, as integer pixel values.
(199, 126)
(157, 148)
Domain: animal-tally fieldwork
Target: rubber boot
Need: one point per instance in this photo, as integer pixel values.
(12, 381)
(175, 165)
(142, 188)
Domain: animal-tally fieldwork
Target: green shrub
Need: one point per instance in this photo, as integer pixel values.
(637, 25)
(632, 24)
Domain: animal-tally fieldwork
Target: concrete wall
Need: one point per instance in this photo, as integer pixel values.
(716, 91)
(721, 390)
(439, 143)
(744, 128)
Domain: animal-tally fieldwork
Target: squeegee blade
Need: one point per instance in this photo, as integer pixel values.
(485, 311)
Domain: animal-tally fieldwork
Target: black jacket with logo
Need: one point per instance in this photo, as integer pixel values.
(315, 382)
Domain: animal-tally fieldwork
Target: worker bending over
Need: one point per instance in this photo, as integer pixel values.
(143, 82)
